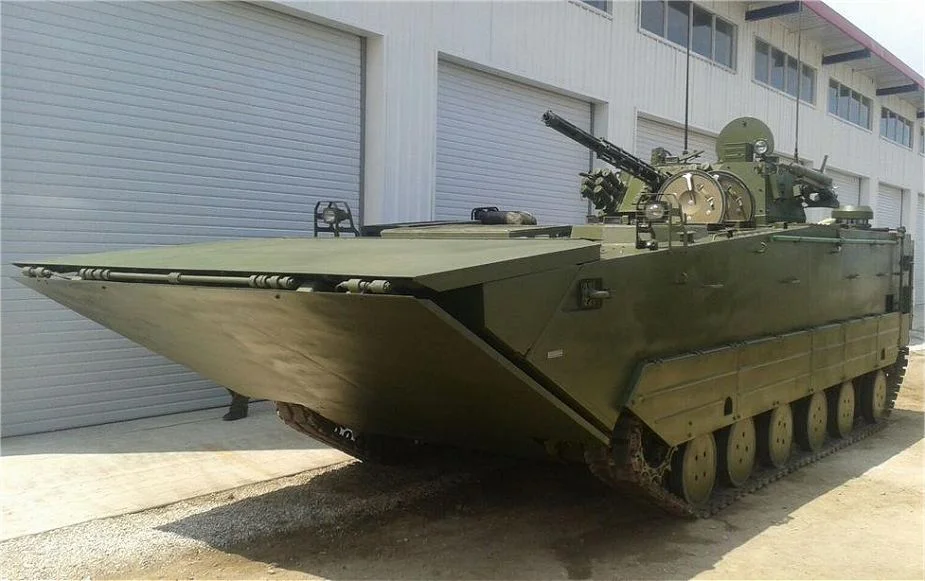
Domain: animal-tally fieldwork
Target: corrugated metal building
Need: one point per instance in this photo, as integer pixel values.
(132, 124)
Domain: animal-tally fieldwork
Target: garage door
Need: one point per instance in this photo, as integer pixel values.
(494, 150)
(135, 124)
(651, 134)
(889, 210)
(847, 188)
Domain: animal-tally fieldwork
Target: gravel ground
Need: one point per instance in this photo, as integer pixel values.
(857, 514)
(220, 521)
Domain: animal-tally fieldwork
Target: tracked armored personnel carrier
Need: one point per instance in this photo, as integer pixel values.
(695, 340)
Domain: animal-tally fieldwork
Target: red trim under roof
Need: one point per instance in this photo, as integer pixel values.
(829, 14)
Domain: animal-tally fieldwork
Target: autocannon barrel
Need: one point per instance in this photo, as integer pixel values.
(607, 151)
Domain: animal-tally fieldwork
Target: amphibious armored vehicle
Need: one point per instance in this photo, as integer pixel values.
(694, 340)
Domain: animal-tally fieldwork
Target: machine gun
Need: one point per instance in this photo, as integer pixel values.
(815, 186)
(607, 151)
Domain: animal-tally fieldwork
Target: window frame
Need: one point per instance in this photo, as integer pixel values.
(714, 37)
(898, 124)
(843, 91)
(608, 5)
(785, 73)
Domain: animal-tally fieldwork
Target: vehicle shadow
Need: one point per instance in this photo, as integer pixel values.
(488, 518)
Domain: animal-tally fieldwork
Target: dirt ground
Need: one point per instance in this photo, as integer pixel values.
(855, 515)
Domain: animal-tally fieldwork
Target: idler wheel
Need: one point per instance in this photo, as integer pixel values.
(693, 471)
(737, 451)
(775, 436)
(811, 420)
(873, 397)
(841, 409)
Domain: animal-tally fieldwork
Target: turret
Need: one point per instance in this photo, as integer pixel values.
(781, 189)
(749, 185)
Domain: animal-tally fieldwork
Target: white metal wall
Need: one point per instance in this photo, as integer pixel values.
(889, 209)
(919, 284)
(550, 43)
(547, 42)
(135, 124)
(651, 134)
(494, 150)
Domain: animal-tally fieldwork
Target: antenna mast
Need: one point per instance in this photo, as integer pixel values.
(796, 132)
(687, 79)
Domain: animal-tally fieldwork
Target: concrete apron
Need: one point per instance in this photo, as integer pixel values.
(62, 478)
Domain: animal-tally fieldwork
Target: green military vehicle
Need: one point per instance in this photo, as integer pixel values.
(693, 341)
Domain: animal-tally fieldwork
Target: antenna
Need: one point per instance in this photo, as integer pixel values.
(687, 77)
(796, 131)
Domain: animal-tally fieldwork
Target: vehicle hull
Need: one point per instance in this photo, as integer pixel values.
(509, 357)
(378, 364)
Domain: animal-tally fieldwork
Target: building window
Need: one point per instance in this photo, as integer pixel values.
(775, 68)
(678, 24)
(652, 17)
(895, 127)
(602, 5)
(922, 140)
(808, 84)
(848, 104)
(681, 21)
(724, 42)
(702, 32)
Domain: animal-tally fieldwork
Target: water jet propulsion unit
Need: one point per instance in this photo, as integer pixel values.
(692, 342)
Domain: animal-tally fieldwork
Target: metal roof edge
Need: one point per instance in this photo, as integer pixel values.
(829, 14)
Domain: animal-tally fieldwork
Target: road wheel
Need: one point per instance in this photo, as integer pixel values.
(775, 436)
(874, 397)
(811, 421)
(737, 451)
(693, 470)
(841, 409)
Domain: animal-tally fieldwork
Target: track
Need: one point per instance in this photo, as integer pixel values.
(634, 476)
(365, 447)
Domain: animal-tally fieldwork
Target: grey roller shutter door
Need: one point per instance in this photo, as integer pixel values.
(888, 213)
(651, 134)
(135, 124)
(494, 150)
(847, 188)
